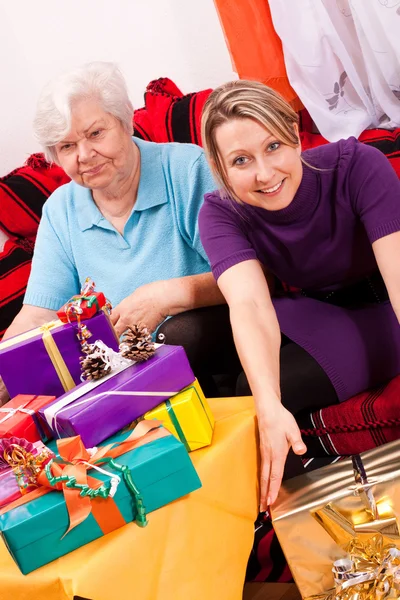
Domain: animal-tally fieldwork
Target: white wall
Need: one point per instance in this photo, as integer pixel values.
(180, 39)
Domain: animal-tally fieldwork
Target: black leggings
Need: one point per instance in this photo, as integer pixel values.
(206, 335)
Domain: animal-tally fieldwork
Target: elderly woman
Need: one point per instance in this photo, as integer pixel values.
(128, 218)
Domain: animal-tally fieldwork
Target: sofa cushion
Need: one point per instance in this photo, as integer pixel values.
(363, 422)
(23, 193)
(387, 141)
(15, 266)
(169, 115)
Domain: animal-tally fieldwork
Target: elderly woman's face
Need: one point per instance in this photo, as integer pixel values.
(97, 152)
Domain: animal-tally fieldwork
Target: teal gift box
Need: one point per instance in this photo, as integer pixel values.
(161, 470)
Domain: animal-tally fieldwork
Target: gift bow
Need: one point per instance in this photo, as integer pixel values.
(372, 568)
(13, 410)
(74, 462)
(87, 294)
(371, 571)
(10, 412)
(75, 302)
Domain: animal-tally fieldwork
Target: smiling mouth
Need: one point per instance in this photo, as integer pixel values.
(272, 190)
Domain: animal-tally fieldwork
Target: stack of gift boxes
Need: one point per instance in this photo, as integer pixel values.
(120, 441)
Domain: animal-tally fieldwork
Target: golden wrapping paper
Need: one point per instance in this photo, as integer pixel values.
(333, 514)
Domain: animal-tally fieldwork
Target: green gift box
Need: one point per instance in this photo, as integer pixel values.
(161, 471)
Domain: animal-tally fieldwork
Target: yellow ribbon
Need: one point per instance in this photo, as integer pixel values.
(55, 356)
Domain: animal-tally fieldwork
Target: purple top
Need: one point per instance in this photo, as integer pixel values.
(321, 241)
(323, 238)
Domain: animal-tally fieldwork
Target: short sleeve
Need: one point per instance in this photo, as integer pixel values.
(199, 182)
(223, 234)
(53, 279)
(374, 191)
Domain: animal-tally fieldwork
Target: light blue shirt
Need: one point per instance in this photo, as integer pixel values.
(160, 239)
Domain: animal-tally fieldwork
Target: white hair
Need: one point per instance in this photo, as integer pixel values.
(102, 81)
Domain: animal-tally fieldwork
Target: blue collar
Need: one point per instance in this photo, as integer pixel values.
(152, 189)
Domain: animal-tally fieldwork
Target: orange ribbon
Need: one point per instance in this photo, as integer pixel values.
(76, 461)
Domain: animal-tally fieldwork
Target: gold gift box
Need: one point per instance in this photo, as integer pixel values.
(187, 416)
(319, 514)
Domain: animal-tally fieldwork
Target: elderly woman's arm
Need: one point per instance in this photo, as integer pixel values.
(29, 317)
(150, 304)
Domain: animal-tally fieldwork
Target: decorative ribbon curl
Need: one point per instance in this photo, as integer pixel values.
(73, 308)
(371, 571)
(106, 490)
(84, 305)
(26, 460)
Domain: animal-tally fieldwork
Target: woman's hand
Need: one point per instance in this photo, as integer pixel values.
(147, 306)
(278, 432)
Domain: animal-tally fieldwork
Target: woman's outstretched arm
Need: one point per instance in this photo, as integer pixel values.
(257, 338)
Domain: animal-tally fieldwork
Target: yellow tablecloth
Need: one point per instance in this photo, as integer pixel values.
(193, 549)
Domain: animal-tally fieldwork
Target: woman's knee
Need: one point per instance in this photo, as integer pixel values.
(304, 383)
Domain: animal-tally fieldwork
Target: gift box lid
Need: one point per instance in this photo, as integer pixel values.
(149, 463)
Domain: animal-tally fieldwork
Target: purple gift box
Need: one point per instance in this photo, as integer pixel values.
(96, 410)
(27, 367)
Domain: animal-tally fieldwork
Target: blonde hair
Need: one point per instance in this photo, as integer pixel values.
(245, 100)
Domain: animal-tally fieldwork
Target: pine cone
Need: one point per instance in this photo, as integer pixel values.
(137, 344)
(93, 367)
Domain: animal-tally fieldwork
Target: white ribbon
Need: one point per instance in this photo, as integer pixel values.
(115, 479)
(82, 389)
(12, 411)
(52, 411)
(113, 360)
(54, 424)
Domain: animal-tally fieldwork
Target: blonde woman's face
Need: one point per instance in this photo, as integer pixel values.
(261, 170)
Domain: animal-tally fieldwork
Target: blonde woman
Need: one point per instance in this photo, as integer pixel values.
(326, 222)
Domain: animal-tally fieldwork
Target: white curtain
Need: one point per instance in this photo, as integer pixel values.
(343, 60)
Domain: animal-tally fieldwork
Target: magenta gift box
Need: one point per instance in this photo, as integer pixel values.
(25, 363)
(96, 410)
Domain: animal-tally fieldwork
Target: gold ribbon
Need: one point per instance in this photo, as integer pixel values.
(55, 356)
(26, 465)
(371, 570)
